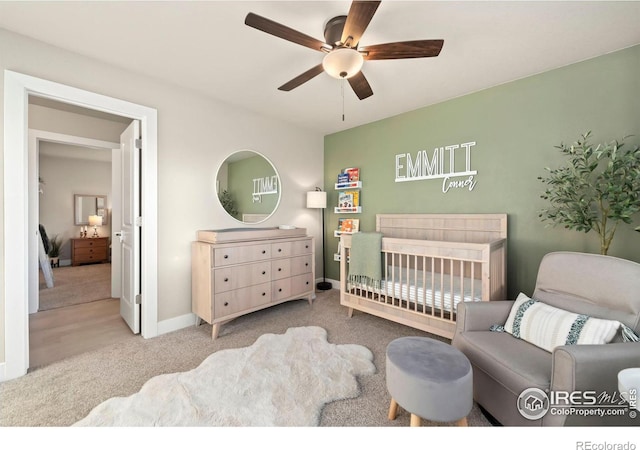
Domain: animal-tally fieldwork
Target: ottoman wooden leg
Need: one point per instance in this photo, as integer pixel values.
(462, 422)
(393, 410)
(415, 420)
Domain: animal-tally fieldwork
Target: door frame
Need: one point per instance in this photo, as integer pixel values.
(15, 258)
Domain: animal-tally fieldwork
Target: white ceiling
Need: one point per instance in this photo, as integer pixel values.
(205, 46)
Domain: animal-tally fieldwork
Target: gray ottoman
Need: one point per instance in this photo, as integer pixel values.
(429, 379)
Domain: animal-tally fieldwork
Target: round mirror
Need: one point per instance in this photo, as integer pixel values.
(248, 186)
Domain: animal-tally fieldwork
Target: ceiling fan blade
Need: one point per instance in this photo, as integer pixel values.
(360, 86)
(303, 78)
(403, 50)
(284, 32)
(360, 14)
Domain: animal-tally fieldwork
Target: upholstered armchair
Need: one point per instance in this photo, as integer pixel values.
(504, 365)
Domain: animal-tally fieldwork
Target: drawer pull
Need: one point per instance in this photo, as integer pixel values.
(226, 256)
(226, 303)
(226, 279)
(264, 251)
(306, 264)
(279, 250)
(306, 246)
(279, 269)
(280, 290)
(307, 283)
(264, 273)
(264, 293)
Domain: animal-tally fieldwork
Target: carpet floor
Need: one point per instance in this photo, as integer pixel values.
(74, 285)
(62, 393)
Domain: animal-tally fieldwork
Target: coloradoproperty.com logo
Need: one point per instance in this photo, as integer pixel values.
(534, 403)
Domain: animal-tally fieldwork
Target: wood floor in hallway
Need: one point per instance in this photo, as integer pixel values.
(63, 332)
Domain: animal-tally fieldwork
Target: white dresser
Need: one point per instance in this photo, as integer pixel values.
(230, 279)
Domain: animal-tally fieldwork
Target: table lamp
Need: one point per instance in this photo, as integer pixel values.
(95, 222)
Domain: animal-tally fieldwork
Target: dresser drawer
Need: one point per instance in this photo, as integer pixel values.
(236, 277)
(90, 254)
(79, 244)
(281, 249)
(241, 254)
(301, 284)
(280, 268)
(281, 289)
(231, 302)
(302, 247)
(301, 264)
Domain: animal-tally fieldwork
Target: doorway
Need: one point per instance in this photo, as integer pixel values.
(62, 323)
(74, 164)
(17, 191)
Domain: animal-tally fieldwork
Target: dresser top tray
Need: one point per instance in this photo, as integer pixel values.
(248, 234)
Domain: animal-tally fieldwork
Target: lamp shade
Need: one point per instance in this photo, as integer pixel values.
(316, 199)
(343, 63)
(95, 221)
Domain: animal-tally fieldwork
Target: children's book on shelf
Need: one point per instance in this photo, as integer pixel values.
(347, 226)
(343, 178)
(355, 197)
(353, 172)
(355, 225)
(345, 200)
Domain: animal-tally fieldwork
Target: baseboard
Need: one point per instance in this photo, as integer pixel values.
(176, 323)
(3, 375)
(335, 284)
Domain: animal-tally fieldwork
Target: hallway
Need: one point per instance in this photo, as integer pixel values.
(64, 332)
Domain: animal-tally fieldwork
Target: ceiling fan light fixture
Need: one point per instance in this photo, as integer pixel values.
(342, 63)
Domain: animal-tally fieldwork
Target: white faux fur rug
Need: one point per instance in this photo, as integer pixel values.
(280, 380)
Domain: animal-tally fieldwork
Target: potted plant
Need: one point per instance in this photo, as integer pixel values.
(228, 203)
(596, 190)
(55, 244)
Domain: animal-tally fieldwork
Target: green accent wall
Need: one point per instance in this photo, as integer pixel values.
(516, 127)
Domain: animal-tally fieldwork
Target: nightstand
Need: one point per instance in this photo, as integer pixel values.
(89, 250)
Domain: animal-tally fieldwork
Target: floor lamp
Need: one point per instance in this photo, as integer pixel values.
(318, 200)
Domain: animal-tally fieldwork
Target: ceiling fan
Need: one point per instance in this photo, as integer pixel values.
(344, 58)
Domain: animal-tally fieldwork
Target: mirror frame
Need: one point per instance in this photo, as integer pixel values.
(77, 220)
(218, 191)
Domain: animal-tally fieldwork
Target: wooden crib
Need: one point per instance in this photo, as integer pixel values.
(430, 263)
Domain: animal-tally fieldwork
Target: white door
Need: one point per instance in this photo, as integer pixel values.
(129, 235)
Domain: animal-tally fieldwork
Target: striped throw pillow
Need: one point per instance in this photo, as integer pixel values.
(548, 327)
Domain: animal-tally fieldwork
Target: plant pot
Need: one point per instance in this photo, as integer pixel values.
(55, 261)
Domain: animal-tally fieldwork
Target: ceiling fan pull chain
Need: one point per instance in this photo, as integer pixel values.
(342, 91)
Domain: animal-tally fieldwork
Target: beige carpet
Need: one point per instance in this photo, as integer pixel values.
(75, 285)
(64, 392)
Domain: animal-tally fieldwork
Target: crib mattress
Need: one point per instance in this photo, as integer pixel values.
(424, 288)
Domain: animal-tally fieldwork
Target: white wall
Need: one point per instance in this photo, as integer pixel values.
(195, 134)
(65, 177)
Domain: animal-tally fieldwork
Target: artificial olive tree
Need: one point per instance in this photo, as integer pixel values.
(597, 189)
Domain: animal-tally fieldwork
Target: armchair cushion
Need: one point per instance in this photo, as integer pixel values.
(503, 358)
(549, 327)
